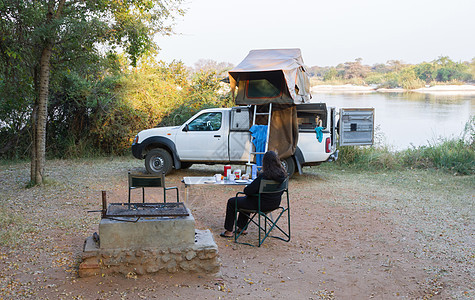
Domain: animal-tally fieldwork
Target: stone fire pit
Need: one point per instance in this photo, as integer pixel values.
(149, 245)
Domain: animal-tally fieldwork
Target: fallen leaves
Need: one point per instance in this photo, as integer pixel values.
(131, 275)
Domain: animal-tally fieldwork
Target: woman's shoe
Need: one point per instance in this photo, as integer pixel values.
(242, 232)
(226, 234)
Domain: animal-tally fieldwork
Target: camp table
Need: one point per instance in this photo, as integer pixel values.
(198, 180)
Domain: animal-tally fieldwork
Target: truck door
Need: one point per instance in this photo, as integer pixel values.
(356, 126)
(239, 135)
(333, 128)
(204, 138)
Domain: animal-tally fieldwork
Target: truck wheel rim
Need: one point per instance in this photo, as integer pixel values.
(157, 163)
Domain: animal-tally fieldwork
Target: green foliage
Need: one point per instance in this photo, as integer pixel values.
(471, 68)
(395, 74)
(450, 155)
(75, 106)
(331, 74)
(205, 91)
(353, 71)
(209, 65)
(375, 78)
(155, 94)
(453, 155)
(409, 80)
(83, 40)
(97, 112)
(390, 80)
(367, 158)
(425, 71)
(113, 131)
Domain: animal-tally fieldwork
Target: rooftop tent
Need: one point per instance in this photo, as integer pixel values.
(271, 76)
(276, 76)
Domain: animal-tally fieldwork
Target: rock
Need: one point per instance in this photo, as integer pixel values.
(190, 255)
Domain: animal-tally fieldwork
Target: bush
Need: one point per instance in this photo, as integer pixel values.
(375, 78)
(453, 155)
(409, 80)
(158, 94)
(368, 158)
(450, 155)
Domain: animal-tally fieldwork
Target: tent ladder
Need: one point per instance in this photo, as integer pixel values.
(269, 117)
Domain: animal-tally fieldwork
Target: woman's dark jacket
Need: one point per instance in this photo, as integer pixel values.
(269, 201)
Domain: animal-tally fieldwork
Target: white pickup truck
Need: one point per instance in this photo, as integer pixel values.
(221, 136)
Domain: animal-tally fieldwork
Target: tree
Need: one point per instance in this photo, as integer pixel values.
(471, 68)
(395, 65)
(380, 68)
(45, 36)
(209, 65)
(355, 69)
(331, 74)
(425, 71)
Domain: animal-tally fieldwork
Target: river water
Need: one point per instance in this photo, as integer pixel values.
(403, 120)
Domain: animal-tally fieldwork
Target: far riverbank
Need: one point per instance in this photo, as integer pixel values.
(465, 89)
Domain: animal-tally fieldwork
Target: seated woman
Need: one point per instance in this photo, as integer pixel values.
(272, 170)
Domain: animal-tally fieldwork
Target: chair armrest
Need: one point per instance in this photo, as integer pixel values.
(240, 193)
(177, 192)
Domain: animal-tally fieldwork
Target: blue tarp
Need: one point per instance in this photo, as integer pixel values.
(259, 133)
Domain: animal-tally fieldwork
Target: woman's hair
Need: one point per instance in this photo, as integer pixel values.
(272, 167)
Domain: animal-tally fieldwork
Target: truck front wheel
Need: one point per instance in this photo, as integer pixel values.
(289, 165)
(158, 161)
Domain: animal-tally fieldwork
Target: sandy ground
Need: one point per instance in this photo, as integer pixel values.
(354, 236)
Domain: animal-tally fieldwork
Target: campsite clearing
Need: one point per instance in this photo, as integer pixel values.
(386, 235)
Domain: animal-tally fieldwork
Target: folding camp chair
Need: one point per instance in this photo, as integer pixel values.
(145, 181)
(268, 223)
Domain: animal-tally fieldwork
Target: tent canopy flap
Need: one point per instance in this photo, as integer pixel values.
(271, 76)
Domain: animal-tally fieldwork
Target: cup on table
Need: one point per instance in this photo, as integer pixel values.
(231, 177)
(217, 177)
(237, 174)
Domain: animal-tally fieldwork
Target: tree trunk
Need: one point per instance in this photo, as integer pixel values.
(39, 133)
(33, 142)
(40, 109)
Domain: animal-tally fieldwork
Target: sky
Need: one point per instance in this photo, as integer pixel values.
(327, 32)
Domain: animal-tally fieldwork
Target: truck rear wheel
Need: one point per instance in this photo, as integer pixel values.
(158, 161)
(289, 165)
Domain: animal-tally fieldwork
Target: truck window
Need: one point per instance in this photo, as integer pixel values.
(309, 121)
(206, 122)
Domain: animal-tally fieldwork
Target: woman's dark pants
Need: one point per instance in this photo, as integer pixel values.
(243, 203)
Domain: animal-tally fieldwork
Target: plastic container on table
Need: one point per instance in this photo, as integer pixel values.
(253, 172)
(237, 174)
(227, 171)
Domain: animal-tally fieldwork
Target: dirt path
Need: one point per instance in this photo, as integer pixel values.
(354, 236)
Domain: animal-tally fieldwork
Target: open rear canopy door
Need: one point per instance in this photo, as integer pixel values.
(356, 126)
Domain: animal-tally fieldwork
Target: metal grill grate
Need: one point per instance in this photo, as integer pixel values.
(175, 209)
